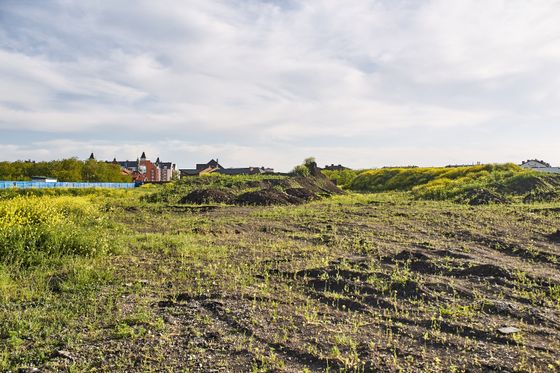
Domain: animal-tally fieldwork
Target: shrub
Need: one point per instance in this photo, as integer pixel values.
(301, 170)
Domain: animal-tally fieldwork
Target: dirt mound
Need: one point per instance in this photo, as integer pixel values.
(541, 196)
(318, 185)
(202, 196)
(524, 185)
(268, 183)
(302, 193)
(483, 196)
(266, 197)
(271, 191)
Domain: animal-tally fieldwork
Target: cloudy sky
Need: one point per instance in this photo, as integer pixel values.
(269, 82)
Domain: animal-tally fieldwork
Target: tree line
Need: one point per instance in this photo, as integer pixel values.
(71, 170)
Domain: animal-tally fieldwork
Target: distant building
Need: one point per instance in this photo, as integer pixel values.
(166, 170)
(539, 165)
(143, 169)
(201, 169)
(245, 171)
(148, 169)
(334, 167)
(213, 166)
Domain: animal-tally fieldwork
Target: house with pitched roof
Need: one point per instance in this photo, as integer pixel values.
(201, 168)
(143, 169)
(213, 166)
(539, 165)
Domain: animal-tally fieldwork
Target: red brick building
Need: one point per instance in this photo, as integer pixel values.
(144, 170)
(148, 169)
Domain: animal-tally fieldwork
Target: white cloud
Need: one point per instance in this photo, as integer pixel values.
(248, 77)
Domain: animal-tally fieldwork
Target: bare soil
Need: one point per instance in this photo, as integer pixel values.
(358, 283)
(209, 195)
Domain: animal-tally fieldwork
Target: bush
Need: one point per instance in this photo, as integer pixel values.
(301, 170)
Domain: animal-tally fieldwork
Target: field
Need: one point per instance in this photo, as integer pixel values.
(136, 281)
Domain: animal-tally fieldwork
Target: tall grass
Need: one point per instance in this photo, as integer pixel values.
(435, 183)
(342, 178)
(56, 192)
(34, 230)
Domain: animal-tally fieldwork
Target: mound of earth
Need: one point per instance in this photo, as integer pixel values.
(266, 197)
(483, 196)
(302, 193)
(541, 196)
(268, 183)
(318, 185)
(202, 196)
(524, 185)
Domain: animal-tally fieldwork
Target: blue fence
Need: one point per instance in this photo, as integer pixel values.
(42, 184)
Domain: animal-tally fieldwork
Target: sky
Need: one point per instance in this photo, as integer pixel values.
(364, 83)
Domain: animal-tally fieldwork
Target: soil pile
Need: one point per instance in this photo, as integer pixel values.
(524, 185)
(302, 193)
(202, 196)
(265, 191)
(541, 196)
(268, 183)
(483, 196)
(318, 185)
(266, 197)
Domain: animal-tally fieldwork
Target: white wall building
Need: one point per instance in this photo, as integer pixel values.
(536, 165)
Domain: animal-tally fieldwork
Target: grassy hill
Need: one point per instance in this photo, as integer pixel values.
(493, 182)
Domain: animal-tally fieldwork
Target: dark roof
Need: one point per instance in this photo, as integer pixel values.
(188, 171)
(212, 163)
(91, 157)
(143, 156)
(244, 170)
(334, 167)
(165, 164)
(128, 164)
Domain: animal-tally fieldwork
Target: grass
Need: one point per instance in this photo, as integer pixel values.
(406, 179)
(360, 282)
(35, 230)
(507, 181)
